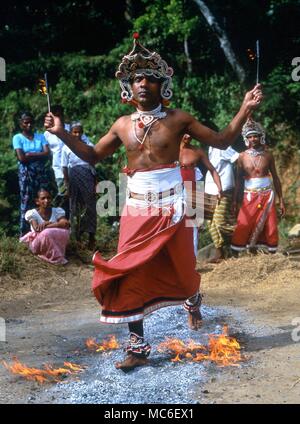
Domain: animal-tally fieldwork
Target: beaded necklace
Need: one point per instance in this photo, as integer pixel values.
(145, 119)
(253, 153)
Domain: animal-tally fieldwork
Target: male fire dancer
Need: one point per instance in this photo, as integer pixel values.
(155, 263)
(257, 220)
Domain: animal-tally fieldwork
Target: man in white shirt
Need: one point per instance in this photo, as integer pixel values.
(221, 223)
(80, 182)
(56, 145)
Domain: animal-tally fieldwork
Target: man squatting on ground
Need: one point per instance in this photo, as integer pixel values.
(257, 220)
(155, 263)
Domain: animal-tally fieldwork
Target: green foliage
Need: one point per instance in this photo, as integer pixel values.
(107, 236)
(166, 24)
(11, 250)
(9, 198)
(284, 226)
(162, 19)
(212, 100)
(204, 238)
(282, 96)
(32, 28)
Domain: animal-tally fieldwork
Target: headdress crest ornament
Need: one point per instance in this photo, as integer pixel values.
(252, 127)
(142, 61)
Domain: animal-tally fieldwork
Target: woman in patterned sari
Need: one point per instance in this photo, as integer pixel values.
(34, 171)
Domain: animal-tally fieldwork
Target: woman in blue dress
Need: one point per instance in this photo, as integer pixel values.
(34, 170)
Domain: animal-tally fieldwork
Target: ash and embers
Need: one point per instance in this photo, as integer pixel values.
(162, 381)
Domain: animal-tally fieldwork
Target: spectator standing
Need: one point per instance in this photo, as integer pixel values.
(34, 171)
(80, 181)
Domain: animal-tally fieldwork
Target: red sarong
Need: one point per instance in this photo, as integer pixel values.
(154, 267)
(257, 222)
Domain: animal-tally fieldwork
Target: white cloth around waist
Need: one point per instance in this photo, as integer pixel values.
(157, 180)
(258, 183)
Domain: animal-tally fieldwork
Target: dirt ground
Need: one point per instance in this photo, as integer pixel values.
(50, 311)
(267, 288)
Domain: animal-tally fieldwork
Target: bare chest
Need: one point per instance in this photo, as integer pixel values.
(157, 137)
(256, 166)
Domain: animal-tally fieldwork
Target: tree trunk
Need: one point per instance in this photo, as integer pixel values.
(2, 69)
(224, 41)
(188, 57)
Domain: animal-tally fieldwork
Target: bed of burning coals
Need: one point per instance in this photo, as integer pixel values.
(180, 360)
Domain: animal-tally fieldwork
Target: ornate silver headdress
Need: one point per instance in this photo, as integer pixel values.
(252, 127)
(141, 61)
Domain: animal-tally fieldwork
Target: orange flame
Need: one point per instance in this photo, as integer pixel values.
(91, 344)
(42, 87)
(251, 55)
(48, 374)
(179, 348)
(221, 349)
(177, 358)
(110, 344)
(224, 350)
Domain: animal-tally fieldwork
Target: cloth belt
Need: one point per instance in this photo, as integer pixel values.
(152, 196)
(254, 190)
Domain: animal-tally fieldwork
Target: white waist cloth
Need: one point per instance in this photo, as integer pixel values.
(157, 181)
(258, 183)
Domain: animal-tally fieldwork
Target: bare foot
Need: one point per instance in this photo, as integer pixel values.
(219, 256)
(215, 260)
(195, 320)
(253, 250)
(130, 362)
(234, 253)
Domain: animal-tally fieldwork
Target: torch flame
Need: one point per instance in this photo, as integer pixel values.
(43, 87)
(48, 374)
(251, 55)
(110, 344)
(221, 349)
